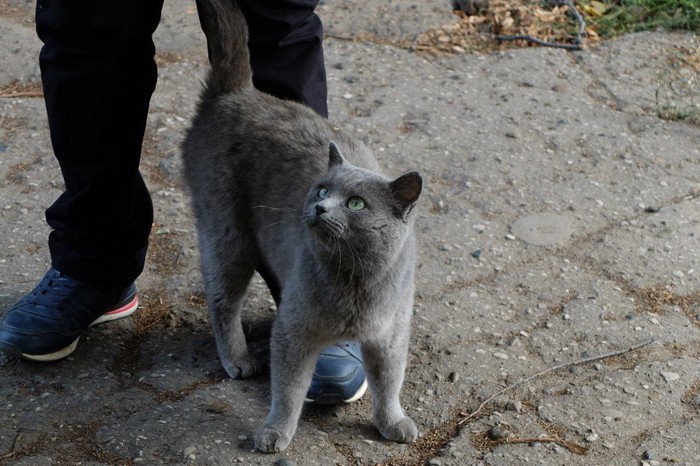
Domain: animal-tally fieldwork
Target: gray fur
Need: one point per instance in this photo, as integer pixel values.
(255, 166)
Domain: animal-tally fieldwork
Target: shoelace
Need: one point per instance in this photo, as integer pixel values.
(53, 290)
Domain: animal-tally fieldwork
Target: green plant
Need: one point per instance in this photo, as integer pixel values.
(678, 89)
(624, 16)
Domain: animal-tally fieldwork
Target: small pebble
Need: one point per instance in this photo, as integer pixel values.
(217, 407)
(476, 253)
(499, 432)
(440, 206)
(453, 377)
(284, 462)
(189, 452)
(670, 376)
(612, 415)
(515, 405)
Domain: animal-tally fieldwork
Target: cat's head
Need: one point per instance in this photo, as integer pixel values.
(354, 214)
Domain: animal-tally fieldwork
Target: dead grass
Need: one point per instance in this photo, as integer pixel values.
(479, 32)
(678, 89)
(20, 89)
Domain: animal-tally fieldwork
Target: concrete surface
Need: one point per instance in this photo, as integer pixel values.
(560, 224)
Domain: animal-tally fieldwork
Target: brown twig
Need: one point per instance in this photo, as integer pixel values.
(6, 95)
(470, 416)
(13, 451)
(180, 253)
(571, 446)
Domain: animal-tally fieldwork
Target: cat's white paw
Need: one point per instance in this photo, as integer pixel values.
(404, 431)
(269, 440)
(240, 368)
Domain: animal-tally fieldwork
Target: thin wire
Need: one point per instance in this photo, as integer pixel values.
(578, 42)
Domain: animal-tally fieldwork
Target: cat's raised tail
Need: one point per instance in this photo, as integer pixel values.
(227, 41)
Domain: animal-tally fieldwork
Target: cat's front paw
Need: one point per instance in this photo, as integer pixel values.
(269, 440)
(240, 368)
(404, 431)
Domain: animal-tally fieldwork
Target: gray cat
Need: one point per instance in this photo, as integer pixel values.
(278, 189)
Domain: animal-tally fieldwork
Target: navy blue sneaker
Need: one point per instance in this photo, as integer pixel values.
(46, 324)
(339, 376)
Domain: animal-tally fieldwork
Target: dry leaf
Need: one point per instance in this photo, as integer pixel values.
(503, 18)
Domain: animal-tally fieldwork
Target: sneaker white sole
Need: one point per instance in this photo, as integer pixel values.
(359, 393)
(114, 314)
(60, 354)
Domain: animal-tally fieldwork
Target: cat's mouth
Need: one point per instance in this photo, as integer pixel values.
(325, 227)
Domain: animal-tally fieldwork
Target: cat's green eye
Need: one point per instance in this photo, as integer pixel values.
(356, 203)
(322, 193)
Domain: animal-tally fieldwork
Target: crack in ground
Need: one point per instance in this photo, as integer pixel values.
(613, 102)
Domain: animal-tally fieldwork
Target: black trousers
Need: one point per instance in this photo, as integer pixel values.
(98, 74)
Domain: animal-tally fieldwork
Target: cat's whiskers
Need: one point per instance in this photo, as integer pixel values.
(277, 209)
(354, 253)
(271, 225)
(352, 256)
(365, 270)
(340, 257)
(286, 212)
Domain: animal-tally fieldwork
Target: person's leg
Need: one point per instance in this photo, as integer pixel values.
(98, 74)
(286, 50)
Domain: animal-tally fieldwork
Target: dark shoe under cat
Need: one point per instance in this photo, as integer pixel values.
(46, 324)
(339, 376)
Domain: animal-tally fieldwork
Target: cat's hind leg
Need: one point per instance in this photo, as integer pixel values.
(227, 268)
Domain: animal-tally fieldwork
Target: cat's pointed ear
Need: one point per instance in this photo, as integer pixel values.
(406, 190)
(335, 158)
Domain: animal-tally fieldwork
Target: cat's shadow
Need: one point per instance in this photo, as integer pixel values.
(350, 419)
(257, 333)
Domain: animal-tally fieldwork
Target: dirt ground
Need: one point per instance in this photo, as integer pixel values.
(558, 299)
